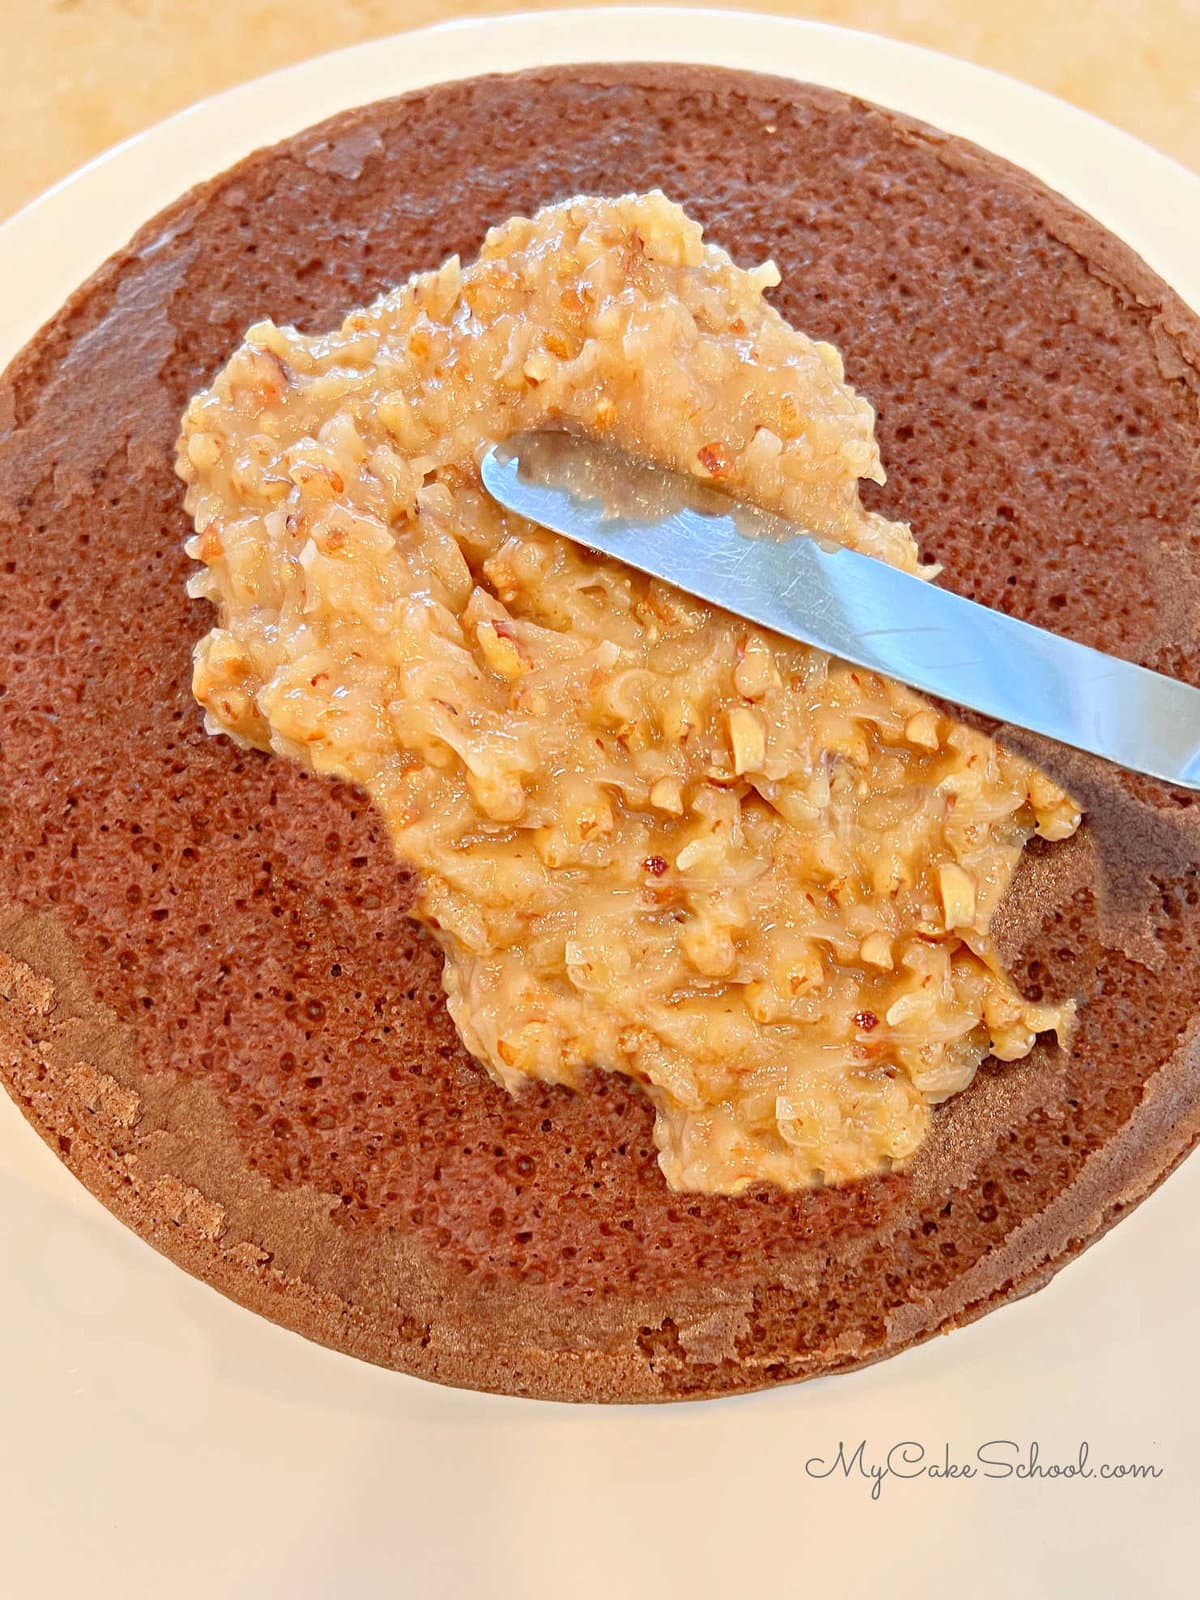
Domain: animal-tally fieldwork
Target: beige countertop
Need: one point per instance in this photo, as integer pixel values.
(81, 74)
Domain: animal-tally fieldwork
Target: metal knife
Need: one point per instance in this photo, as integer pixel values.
(761, 567)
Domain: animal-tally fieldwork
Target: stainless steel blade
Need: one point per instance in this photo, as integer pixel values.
(868, 613)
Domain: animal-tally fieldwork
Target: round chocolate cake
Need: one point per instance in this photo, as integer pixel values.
(212, 1002)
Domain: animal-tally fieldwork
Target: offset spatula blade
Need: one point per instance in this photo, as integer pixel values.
(760, 567)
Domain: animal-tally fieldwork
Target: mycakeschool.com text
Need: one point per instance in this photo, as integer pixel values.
(997, 1459)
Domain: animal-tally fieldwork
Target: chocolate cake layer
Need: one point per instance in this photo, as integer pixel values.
(212, 1003)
